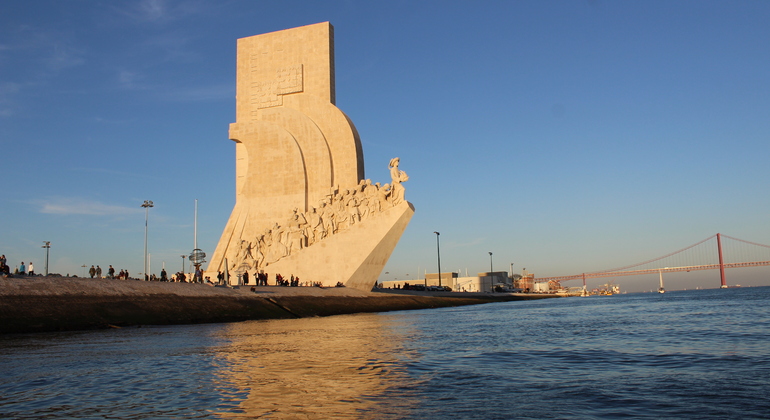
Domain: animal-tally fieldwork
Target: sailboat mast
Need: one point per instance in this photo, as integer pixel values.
(661, 289)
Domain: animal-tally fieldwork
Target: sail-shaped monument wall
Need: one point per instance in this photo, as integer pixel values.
(303, 207)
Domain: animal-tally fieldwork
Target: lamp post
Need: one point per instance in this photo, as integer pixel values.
(147, 204)
(183, 257)
(438, 254)
(491, 278)
(47, 246)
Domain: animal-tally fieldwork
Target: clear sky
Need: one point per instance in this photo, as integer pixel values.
(563, 136)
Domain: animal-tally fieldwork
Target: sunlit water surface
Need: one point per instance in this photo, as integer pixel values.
(690, 354)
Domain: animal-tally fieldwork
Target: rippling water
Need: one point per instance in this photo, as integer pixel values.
(689, 354)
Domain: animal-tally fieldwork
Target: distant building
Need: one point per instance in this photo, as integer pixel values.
(526, 282)
(447, 279)
(431, 279)
(483, 282)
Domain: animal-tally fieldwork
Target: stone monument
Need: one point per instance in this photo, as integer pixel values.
(303, 207)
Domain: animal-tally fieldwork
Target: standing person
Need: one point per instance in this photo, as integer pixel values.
(31, 269)
(163, 275)
(22, 269)
(92, 271)
(98, 272)
(198, 275)
(111, 272)
(245, 277)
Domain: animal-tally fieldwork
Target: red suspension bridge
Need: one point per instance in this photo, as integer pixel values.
(708, 254)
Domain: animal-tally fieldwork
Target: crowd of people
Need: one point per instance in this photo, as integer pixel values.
(261, 279)
(180, 277)
(96, 272)
(258, 279)
(21, 269)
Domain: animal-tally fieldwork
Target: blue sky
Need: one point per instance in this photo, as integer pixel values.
(563, 136)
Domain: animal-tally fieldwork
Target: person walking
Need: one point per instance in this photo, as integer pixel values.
(111, 272)
(22, 269)
(92, 271)
(98, 272)
(31, 271)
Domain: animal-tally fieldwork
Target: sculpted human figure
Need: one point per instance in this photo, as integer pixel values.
(372, 193)
(315, 226)
(363, 207)
(352, 203)
(369, 193)
(259, 251)
(327, 218)
(384, 195)
(242, 255)
(295, 232)
(341, 216)
(397, 177)
(276, 249)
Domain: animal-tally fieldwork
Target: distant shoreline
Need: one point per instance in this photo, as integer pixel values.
(40, 304)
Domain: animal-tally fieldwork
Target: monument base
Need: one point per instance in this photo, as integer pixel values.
(353, 258)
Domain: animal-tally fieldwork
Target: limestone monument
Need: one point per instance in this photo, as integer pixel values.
(303, 207)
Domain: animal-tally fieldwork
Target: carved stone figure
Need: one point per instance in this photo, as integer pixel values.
(315, 227)
(397, 177)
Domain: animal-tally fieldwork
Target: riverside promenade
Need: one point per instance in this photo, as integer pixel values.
(39, 304)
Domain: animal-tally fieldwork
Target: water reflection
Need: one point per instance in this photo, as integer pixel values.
(336, 367)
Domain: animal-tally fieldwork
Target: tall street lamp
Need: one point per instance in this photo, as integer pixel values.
(490, 262)
(47, 246)
(147, 204)
(438, 253)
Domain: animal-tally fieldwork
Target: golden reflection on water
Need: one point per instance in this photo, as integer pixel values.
(317, 368)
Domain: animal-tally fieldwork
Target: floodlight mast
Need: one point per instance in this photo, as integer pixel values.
(147, 204)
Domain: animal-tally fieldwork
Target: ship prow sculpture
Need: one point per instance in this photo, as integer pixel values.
(303, 208)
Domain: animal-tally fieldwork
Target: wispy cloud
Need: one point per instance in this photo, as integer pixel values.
(7, 91)
(129, 175)
(129, 79)
(152, 9)
(45, 49)
(83, 206)
(44, 52)
(202, 93)
(159, 11)
(64, 56)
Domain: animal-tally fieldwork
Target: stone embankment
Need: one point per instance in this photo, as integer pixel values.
(37, 304)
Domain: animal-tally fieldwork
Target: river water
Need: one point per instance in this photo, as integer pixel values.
(689, 354)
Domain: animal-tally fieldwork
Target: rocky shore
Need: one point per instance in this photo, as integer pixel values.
(38, 304)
